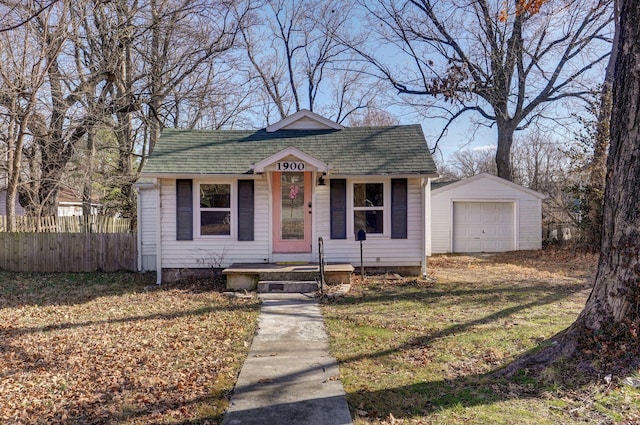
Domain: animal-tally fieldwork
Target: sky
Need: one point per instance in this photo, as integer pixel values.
(464, 132)
(461, 135)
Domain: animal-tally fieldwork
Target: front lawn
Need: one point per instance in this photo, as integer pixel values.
(416, 352)
(115, 349)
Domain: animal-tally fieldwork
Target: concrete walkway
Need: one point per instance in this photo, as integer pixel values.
(289, 376)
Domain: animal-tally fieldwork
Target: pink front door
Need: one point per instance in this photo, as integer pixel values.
(291, 212)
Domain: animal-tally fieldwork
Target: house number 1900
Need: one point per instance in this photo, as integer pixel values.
(290, 166)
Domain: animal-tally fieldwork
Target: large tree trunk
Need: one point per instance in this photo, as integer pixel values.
(503, 151)
(597, 165)
(608, 327)
(592, 225)
(616, 294)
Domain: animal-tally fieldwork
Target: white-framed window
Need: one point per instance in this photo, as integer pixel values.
(376, 205)
(215, 202)
(369, 203)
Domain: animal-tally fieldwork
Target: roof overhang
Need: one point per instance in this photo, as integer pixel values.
(260, 166)
(385, 175)
(248, 175)
(144, 183)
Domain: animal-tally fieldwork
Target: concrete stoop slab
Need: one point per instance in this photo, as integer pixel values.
(247, 276)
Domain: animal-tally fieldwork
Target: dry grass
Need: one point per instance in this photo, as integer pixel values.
(419, 351)
(107, 349)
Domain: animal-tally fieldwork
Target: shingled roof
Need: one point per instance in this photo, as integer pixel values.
(350, 151)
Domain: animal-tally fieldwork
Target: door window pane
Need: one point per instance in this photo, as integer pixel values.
(292, 206)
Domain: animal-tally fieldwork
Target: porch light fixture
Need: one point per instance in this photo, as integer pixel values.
(321, 180)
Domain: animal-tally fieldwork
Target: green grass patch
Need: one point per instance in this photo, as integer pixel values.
(413, 351)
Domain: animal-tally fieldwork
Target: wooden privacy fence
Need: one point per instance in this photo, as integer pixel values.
(68, 252)
(70, 224)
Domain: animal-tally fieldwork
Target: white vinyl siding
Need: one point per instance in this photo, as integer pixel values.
(147, 219)
(487, 189)
(529, 224)
(378, 250)
(204, 252)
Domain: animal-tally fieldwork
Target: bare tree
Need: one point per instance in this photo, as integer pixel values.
(57, 120)
(510, 69)
(446, 171)
(539, 163)
(373, 118)
(13, 22)
(159, 58)
(183, 40)
(469, 162)
(542, 163)
(212, 99)
(297, 62)
(23, 71)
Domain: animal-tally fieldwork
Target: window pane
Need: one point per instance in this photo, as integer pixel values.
(292, 208)
(368, 195)
(215, 196)
(215, 223)
(370, 221)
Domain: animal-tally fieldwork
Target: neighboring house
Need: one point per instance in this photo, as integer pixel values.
(484, 213)
(69, 204)
(3, 204)
(213, 198)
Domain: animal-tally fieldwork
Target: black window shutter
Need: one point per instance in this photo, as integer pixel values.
(184, 210)
(399, 208)
(338, 206)
(245, 210)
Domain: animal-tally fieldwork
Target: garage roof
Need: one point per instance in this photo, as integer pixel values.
(453, 185)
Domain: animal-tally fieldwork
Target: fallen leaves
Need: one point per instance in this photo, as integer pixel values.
(130, 357)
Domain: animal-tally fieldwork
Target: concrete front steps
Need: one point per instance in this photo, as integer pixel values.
(290, 286)
(284, 277)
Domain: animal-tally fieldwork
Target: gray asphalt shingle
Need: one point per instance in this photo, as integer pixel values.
(350, 151)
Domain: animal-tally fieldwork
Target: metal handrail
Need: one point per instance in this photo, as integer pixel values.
(321, 263)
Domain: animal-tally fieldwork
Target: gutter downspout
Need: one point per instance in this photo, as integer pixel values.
(426, 215)
(158, 234)
(269, 177)
(139, 230)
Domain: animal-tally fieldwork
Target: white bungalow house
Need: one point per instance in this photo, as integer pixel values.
(217, 198)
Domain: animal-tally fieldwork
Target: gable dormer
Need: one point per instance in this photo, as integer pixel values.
(290, 154)
(304, 120)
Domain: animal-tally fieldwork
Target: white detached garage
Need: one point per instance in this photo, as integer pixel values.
(485, 213)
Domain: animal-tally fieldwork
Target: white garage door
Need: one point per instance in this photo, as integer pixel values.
(483, 226)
